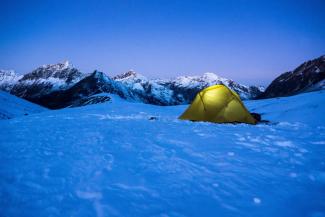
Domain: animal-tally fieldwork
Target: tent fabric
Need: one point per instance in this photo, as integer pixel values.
(218, 104)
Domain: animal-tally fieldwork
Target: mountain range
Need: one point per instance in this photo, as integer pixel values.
(62, 85)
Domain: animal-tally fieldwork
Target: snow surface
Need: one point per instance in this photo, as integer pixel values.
(12, 106)
(110, 160)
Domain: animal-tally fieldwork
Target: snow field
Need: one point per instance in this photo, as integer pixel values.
(111, 160)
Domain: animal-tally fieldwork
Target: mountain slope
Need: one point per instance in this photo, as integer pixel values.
(114, 159)
(189, 86)
(12, 106)
(46, 79)
(8, 78)
(146, 90)
(60, 85)
(309, 76)
(180, 90)
(79, 93)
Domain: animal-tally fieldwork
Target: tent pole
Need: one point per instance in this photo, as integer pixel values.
(202, 102)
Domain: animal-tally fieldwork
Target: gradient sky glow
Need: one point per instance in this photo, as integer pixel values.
(249, 41)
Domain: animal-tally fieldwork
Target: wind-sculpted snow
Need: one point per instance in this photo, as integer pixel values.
(115, 159)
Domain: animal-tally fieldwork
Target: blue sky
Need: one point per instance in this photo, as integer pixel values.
(249, 41)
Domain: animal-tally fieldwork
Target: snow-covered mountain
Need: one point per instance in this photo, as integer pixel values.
(188, 86)
(61, 85)
(46, 79)
(309, 76)
(12, 106)
(78, 94)
(8, 78)
(180, 90)
(114, 159)
(50, 85)
(146, 90)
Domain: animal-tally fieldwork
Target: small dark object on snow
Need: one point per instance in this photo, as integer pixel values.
(152, 118)
(257, 116)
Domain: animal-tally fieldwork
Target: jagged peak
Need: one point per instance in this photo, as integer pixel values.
(58, 66)
(131, 72)
(208, 76)
(212, 76)
(128, 75)
(7, 72)
(100, 75)
(63, 71)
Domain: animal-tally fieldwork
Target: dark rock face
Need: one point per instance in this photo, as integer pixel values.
(180, 90)
(79, 93)
(184, 94)
(61, 85)
(46, 79)
(133, 87)
(91, 100)
(145, 90)
(307, 77)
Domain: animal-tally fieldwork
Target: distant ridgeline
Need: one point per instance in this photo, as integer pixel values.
(61, 85)
(309, 76)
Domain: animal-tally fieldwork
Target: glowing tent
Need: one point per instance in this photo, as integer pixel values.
(218, 104)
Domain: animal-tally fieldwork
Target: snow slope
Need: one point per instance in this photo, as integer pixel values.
(110, 160)
(12, 106)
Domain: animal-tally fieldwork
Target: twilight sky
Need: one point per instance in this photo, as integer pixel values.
(249, 41)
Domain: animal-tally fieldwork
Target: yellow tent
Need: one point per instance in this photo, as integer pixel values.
(218, 104)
